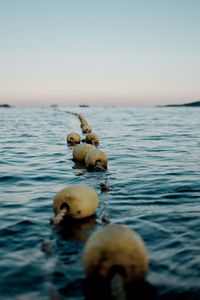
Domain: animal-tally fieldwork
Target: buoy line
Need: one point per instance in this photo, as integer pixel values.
(92, 158)
(113, 252)
(94, 161)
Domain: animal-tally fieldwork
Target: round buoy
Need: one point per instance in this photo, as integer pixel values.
(86, 128)
(92, 138)
(83, 123)
(96, 160)
(75, 202)
(81, 117)
(115, 249)
(82, 120)
(73, 138)
(80, 151)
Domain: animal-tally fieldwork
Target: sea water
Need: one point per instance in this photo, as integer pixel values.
(154, 175)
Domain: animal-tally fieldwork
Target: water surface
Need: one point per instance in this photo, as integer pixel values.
(154, 172)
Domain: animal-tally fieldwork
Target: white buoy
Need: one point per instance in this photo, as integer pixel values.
(115, 249)
(80, 151)
(73, 138)
(75, 202)
(96, 160)
(92, 138)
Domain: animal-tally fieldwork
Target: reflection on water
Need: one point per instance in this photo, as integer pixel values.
(153, 173)
(78, 229)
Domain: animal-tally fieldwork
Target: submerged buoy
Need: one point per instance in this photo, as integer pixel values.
(73, 138)
(115, 249)
(75, 202)
(104, 187)
(96, 160)
(80, 151)
(86, 128)
(92, 138)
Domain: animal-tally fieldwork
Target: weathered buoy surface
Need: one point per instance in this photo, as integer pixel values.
(83, 123)
(86, 128)
(75, 201)
(115, 249)
(96, 160)
(80, 151)
(73, 138)
(92, 138)
(82, 120)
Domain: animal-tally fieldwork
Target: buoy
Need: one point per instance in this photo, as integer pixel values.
(83, 123)
(115, 249)
(82, 120)
(86, 129)
(75, 202)
(73, 138)
(81, 117)
(92, 138)
(96, 160)
(80, 151)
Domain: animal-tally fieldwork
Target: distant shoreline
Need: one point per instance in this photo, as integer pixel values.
(188, 104)
(195, 103)
(5, 105)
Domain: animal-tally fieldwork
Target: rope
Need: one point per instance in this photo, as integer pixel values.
(117, 288)
(59, 217)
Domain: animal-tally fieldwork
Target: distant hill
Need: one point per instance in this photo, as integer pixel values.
(196, 103)
(5, 105)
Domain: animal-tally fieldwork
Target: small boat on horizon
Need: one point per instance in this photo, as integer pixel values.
(83, 105)
(54, 105)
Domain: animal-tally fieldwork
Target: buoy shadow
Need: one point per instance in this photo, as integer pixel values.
(77, 229)
(97, 288)
(79, 165)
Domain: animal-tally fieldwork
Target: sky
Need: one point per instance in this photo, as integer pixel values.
(108, 52)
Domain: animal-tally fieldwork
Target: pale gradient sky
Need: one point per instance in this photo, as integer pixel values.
(137, 52)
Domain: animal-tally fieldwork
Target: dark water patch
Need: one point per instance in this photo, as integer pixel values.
(45, 177)
(10, 179)
(22, 278)
(26, 135)
(21, 227)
